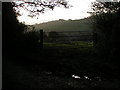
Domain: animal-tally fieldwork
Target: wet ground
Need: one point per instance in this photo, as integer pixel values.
(19, 76)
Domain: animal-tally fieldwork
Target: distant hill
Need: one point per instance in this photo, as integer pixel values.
(66, 25)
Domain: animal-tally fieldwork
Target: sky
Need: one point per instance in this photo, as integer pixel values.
(78, 10)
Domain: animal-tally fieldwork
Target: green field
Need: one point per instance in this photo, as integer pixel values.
(74, 44)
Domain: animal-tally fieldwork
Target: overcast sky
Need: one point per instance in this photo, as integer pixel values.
(78, 11)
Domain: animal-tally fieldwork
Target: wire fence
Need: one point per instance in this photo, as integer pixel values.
(67, 36)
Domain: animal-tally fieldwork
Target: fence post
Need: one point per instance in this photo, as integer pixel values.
(95, 39)
(41, 38)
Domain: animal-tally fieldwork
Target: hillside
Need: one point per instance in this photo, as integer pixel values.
(66, 25)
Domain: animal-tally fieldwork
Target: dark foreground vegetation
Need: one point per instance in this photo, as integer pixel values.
(81, 64)
(55, 64)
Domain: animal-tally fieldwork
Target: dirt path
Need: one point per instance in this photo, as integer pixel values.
(17, 76)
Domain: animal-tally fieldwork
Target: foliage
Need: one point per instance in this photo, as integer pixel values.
(107, 25)
(31, 39)
(105, 7)
(35, 7)
(12, 29)
(16, 39)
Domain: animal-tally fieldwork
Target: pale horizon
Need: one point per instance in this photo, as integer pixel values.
(78, 10)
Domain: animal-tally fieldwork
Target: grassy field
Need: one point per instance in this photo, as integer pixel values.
(74, 44)
(75, 57)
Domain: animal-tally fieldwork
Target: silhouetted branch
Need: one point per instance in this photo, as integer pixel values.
(35, 7)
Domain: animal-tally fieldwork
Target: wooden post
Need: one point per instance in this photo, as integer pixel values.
(95, 39)
(41, 38)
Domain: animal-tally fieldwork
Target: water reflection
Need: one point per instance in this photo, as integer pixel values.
(74, 76)
(87, 78)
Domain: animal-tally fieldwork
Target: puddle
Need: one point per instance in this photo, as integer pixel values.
(86, 77)
(74, 76)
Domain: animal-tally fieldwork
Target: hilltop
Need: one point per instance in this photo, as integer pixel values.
(66, 25)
